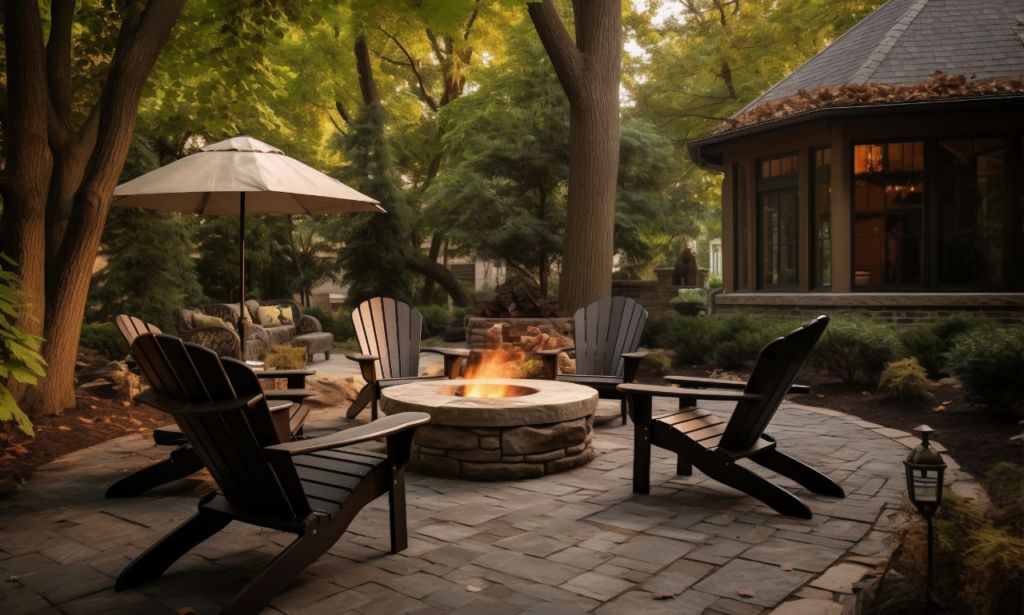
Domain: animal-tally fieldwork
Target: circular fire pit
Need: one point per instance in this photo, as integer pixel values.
(521, 429)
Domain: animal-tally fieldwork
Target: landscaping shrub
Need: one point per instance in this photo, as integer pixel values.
(105, 339)
(856, 347)
(932, 343)
(905, 379)
(654, 364)
(989, 363)
(435, 319)
(740, 337)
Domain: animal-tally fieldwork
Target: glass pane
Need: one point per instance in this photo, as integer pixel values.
(972, 199)
(889, 201)
(740, 190)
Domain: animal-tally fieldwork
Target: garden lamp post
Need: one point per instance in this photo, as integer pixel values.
(925, 472)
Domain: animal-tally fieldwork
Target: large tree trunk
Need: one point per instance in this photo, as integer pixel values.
(589, 72)
(72, 237)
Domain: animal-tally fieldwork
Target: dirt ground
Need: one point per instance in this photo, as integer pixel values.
(976, 438)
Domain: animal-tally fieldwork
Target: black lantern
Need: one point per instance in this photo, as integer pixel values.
(925, 473)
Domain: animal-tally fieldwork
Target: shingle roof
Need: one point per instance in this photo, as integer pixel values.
(904, 42)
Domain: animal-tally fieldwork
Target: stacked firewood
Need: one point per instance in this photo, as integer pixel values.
(939, 86)
(516, 299)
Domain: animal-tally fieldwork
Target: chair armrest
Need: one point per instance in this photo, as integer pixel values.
(662, 391)
(631, 364)
(716, 383)
(179, 408)
(448, 352)
(378, 429)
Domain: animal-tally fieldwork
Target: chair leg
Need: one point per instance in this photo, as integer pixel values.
(183, 462)
(813, 480)
(683, 466)
(158, 558)
(302, 552)
(625, 409)
(396, 506)
(746, 481)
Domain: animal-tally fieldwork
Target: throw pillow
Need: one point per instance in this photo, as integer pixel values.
(202, 320)
(285, 316)
(270, 316)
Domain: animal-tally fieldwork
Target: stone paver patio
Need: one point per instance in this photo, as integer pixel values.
(577, 542)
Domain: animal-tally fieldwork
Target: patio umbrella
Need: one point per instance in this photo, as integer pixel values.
(240, 176)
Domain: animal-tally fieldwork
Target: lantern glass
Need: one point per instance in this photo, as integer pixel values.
(926, 486)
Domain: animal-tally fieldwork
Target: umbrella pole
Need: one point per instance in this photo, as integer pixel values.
(243, 328)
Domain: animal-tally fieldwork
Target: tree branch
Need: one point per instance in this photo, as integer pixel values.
(412, 64)
(566, 58)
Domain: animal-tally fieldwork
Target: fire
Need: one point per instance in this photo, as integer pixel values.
(497, 363)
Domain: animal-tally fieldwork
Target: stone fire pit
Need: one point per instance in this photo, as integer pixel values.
(544, 428)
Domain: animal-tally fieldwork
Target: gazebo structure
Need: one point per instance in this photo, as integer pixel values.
(884, 173)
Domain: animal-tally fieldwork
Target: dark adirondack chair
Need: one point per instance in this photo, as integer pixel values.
(607, 336)
(285, 406)
(389, 334)
(312, 488)
(702, 439)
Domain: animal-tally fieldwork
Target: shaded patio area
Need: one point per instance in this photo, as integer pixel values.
(569, 543)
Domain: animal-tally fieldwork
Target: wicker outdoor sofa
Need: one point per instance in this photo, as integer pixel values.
(305, 332)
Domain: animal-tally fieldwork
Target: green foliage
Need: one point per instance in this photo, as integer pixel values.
(989, 363)
(373, 259)
(905, 379)
(19, 354)
(696, 296)
(341, 326)
(104, 338)
(931, 343)
(856, 347)
(435, 319)
(654, 364)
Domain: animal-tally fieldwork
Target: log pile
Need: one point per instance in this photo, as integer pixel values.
(516, 299)
(939, 86)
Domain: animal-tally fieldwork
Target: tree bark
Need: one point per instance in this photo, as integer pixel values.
(144, 31)
(589, 72)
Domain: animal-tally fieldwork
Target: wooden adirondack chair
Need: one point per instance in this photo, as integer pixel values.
(389, 334)
(312, 488)
(607, 336)
(286, 407)
(702, 439)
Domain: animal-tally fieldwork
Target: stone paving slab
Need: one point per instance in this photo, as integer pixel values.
(567, 544)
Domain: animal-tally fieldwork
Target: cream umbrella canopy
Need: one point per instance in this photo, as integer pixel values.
(240, 176)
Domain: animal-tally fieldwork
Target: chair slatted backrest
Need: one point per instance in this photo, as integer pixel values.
(230, 443)
(390, 330)
(604, 331)
(775, 371)
(131, 328)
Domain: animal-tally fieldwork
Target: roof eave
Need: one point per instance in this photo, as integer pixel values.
(712, 160)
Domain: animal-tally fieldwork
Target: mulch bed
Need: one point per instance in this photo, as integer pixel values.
(976, 438)
(93, 421)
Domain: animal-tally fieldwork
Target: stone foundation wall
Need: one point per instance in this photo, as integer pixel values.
(514, 328)
(502, 453)
(906, 311)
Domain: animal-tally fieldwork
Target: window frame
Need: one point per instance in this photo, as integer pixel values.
(930, 248)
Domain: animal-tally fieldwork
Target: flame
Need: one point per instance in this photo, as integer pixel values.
(496, 363)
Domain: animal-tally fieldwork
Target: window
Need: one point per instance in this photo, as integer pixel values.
(888, 210)
(778, 246)
(972, 209)
(821, 217)
(740, 209)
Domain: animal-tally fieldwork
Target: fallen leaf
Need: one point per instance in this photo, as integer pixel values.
(747, 593)
(664, 596)
(185, 610)
(64, 428)
(938, 409)
(786, 567)
(474, 588)
(85, 420)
